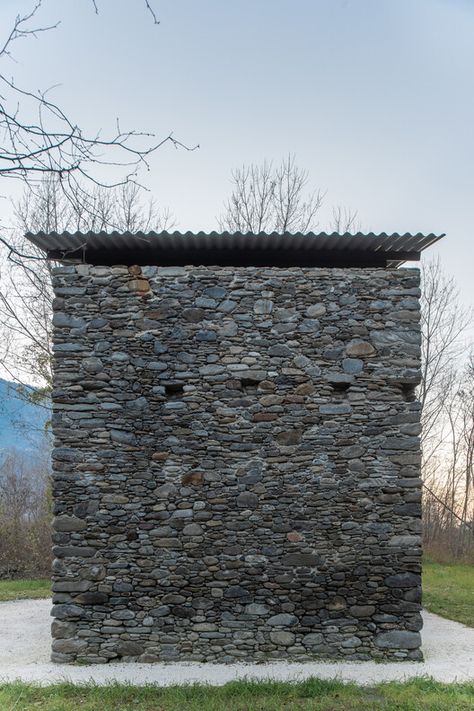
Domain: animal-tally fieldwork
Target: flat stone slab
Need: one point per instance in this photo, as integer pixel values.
(25, 647)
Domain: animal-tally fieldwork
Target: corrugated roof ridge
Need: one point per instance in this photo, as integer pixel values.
(215, 233)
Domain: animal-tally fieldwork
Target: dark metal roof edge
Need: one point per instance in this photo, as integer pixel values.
(236, 247)
(214, 234)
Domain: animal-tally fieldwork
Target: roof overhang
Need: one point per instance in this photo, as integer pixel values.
(234, 249)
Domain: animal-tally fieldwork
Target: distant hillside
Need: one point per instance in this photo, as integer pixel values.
(22, 424)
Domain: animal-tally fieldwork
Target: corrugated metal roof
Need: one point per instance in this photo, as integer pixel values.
(235, 249)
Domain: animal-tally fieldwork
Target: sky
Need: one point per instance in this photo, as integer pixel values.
(373, 97)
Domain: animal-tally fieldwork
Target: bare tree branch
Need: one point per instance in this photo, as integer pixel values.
(152, 12)
(268, 198)
(25, 287)
(38, 138)
(344, 220)
(446, 394)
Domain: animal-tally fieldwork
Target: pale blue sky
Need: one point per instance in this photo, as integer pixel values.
(374, 97)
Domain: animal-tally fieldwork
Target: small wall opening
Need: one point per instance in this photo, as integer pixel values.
(174, 391)
(408, 391)
(249, 385)
(340, 387)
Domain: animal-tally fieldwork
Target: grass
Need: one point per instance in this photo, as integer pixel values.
(448, 590)
(24, 589)
(416, 695)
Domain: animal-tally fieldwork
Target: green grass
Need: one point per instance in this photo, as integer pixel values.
(448, 590)
(24, 589)
(313, 694)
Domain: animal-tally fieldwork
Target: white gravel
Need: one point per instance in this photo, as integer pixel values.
(25, 640)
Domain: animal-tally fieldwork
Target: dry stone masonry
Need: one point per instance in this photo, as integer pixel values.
(236, 471)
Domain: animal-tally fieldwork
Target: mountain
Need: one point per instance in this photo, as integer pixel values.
(22, 423)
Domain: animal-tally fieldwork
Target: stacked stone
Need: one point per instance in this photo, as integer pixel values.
(236, 471)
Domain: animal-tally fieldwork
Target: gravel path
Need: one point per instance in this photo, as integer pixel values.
(24, 654)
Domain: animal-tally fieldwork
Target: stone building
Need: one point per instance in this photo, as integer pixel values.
(237, 458)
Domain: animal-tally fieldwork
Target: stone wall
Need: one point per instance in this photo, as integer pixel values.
(236, 472)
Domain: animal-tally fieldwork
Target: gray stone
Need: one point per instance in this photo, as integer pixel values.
(228, 329)
(352, 452)
(91, 598)
(171, 271)
(227, 306)
(282, 638)
(339, 409)
(193, 529)
(67, 348)
(309, 560)
(402, 442)
(69, 646)
(247, 500)
(71, 586)
(282, 620)
(405, 541)
(211, 369)
(398, 639)
(159, 347)
(315, 310)
(313, 639)
(123, 615)
(128, 649)
(235, 591)
(63, 630)
(67, 612)
(92, 365)
(123, 437)
(263, 306)
(115, 499)
(68, 523)
(62, 320)
(362, 610)
(215, 292)
(352, 365)
(256, 609)
(351, 643)
(285, 315)
(204, 303)
(403, 580)
(280, 351)
(289, 438)
(206, 336)
(309, 325)
(358, 348)
(193, 315)
(141, 403)
(74, 551)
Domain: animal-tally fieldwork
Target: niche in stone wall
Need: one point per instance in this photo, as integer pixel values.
(249, 385)
(340, 382)
(408, 391)
(174, 390)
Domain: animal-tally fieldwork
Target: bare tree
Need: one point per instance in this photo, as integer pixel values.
(25, 290)
(269, 198)
(449, 477)
(25, 515)
(38, 138)
(446, 394)
(344, 220)
(467, 406)
(444, 326)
